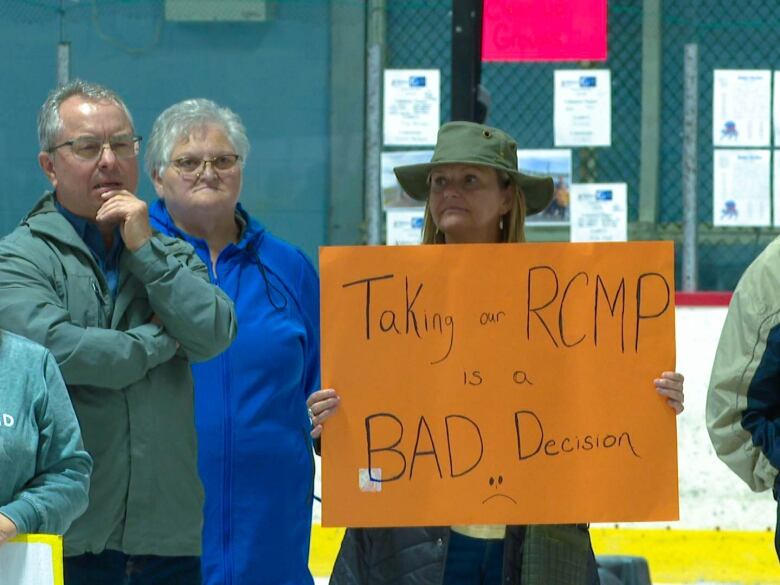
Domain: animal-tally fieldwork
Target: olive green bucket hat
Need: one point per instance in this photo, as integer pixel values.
(468, 143)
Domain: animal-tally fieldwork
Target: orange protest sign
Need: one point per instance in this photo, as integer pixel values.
(498, 384)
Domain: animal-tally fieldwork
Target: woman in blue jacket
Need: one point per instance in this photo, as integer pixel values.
(255, 449)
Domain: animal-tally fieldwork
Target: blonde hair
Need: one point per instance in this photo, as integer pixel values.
(514, 220)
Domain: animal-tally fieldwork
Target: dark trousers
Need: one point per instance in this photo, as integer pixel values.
(473, 561)
(116, 568)
(476, 561)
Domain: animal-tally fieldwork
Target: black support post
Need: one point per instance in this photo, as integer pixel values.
(466, 58)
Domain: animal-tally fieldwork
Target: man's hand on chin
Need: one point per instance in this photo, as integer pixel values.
(130, 213)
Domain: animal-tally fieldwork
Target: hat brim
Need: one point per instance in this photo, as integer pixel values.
(538, 190)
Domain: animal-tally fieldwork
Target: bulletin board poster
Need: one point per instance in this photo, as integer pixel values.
(412, 104)
(599, 212)
(776, 106)
(403, 227)
(529, 30)
(776, 186)
(393, 195)
(741, 107)
(555, 163)
(498, 384)
(740, 187)
(32, 559)
(582, 114)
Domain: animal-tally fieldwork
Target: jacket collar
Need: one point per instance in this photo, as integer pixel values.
(252, 231)
(44, 219)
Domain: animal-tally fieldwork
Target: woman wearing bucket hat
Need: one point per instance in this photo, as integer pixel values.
(474, 193)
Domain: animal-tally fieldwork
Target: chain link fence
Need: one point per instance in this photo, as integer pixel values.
(729, 35)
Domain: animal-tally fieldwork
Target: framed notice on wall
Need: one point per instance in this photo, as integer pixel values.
(404, 226)
(555, 163)
(599, 212)
(392, 194)
(740, 187)
(741, 107)
(583, 107)
(411, 107)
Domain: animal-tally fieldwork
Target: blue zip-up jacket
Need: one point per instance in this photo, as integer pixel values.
(255, 450)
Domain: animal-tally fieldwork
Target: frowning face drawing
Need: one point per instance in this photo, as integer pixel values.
(495, 484)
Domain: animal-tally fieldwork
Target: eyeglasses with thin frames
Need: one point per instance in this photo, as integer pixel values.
(90, 148)
(191, 167)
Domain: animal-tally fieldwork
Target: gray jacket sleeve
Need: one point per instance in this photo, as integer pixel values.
(195, 312)
(31, 307)
(57, 495)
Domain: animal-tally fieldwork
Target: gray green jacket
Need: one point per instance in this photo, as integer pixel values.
(44, 470)
(129, 379)
(743, 401)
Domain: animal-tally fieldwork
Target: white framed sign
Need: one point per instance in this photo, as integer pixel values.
(740, 187)
(404, 226)
(583, 107)
(741, 107)
(599, 212)
(412, 103)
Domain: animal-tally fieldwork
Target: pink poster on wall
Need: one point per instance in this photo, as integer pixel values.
(544, 30)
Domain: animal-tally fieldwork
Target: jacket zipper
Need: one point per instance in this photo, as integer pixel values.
(227, 475)
(227, 458)
(101, 302)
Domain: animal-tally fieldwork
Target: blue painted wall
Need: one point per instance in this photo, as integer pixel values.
(274, 75)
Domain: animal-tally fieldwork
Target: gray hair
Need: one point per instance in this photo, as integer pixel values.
(179, 121)
(49, 120)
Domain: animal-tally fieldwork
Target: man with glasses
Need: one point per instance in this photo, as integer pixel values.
(125, 311)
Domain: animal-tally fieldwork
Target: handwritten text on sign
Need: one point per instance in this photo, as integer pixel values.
(507, 383)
